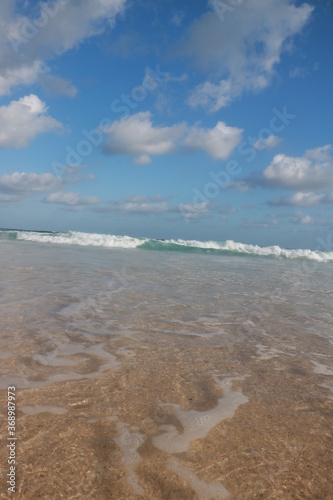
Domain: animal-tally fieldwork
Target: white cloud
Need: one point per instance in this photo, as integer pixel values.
(150, 205)
(191, 211)
(298, 72)
(70, 199)
(242, 51)
(22, 120)
(27, 42)
(139, 205)
(300, 199)
(22, 74)
(195, 211)
(255, 224)
(177, 18)
(218, 142)
(242, 186)
(54, 85)
(301, 218)
(311, 172)
(9, 198)
(271, 142)
(136, 135)
(19, 185)
(323, 153)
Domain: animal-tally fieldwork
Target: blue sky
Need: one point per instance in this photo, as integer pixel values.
(185, 119)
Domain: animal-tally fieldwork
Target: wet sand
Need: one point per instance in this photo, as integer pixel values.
(186, 405)
(177, 419)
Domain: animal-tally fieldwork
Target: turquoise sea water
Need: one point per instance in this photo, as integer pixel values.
(324, 253)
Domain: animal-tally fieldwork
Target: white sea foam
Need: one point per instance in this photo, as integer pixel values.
(321, 369)
(274, 251)
(205, 491)
(62, 355)
(128, 242)
(197, 424)
(266, 353)
(129, 442)
(35, 410)
(82, 239)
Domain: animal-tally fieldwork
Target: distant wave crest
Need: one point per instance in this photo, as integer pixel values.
(228, 247)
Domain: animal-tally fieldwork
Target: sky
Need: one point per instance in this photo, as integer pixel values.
(192, 119)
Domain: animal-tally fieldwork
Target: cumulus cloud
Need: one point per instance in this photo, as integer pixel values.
(18, 185)
(137, 204)
(22, 74)
(195, 211)
(136, 135)
(152, 205)
(28, 41)
(22, 120)
(243, 50)
(303, 200)
(191, 211)
(301, 218)
(218, 142)
(71, 200)
(311, 172)
(271, 142)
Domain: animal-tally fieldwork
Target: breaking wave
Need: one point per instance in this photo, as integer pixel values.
(228, 247)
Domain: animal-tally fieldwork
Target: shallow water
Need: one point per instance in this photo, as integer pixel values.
(167, 375)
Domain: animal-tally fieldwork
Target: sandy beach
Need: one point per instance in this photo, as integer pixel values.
(207, 385)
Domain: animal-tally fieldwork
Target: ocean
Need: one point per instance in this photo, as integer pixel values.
(166, 368)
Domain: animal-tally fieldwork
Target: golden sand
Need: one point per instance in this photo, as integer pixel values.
(173, 417)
